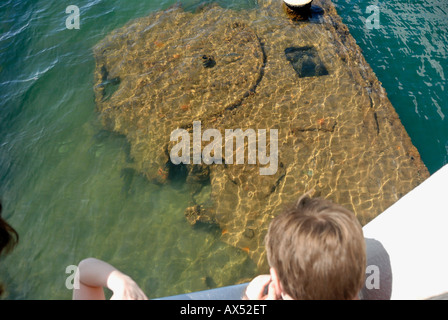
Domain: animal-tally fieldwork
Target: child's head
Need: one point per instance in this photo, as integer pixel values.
(316, 250)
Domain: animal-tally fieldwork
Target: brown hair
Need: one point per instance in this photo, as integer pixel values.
(8, 236)
(318, 250)
(8, 239)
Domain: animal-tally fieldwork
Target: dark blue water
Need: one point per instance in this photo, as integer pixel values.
(62, 181)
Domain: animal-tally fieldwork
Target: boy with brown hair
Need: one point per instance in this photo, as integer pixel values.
(315, 250)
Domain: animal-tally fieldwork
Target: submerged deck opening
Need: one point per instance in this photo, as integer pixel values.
(306, 61)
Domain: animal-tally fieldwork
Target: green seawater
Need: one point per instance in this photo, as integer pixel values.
(409, 54)
(65, 183)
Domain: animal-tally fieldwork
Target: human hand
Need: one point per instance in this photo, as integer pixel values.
(124, 287)
(257, 288)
